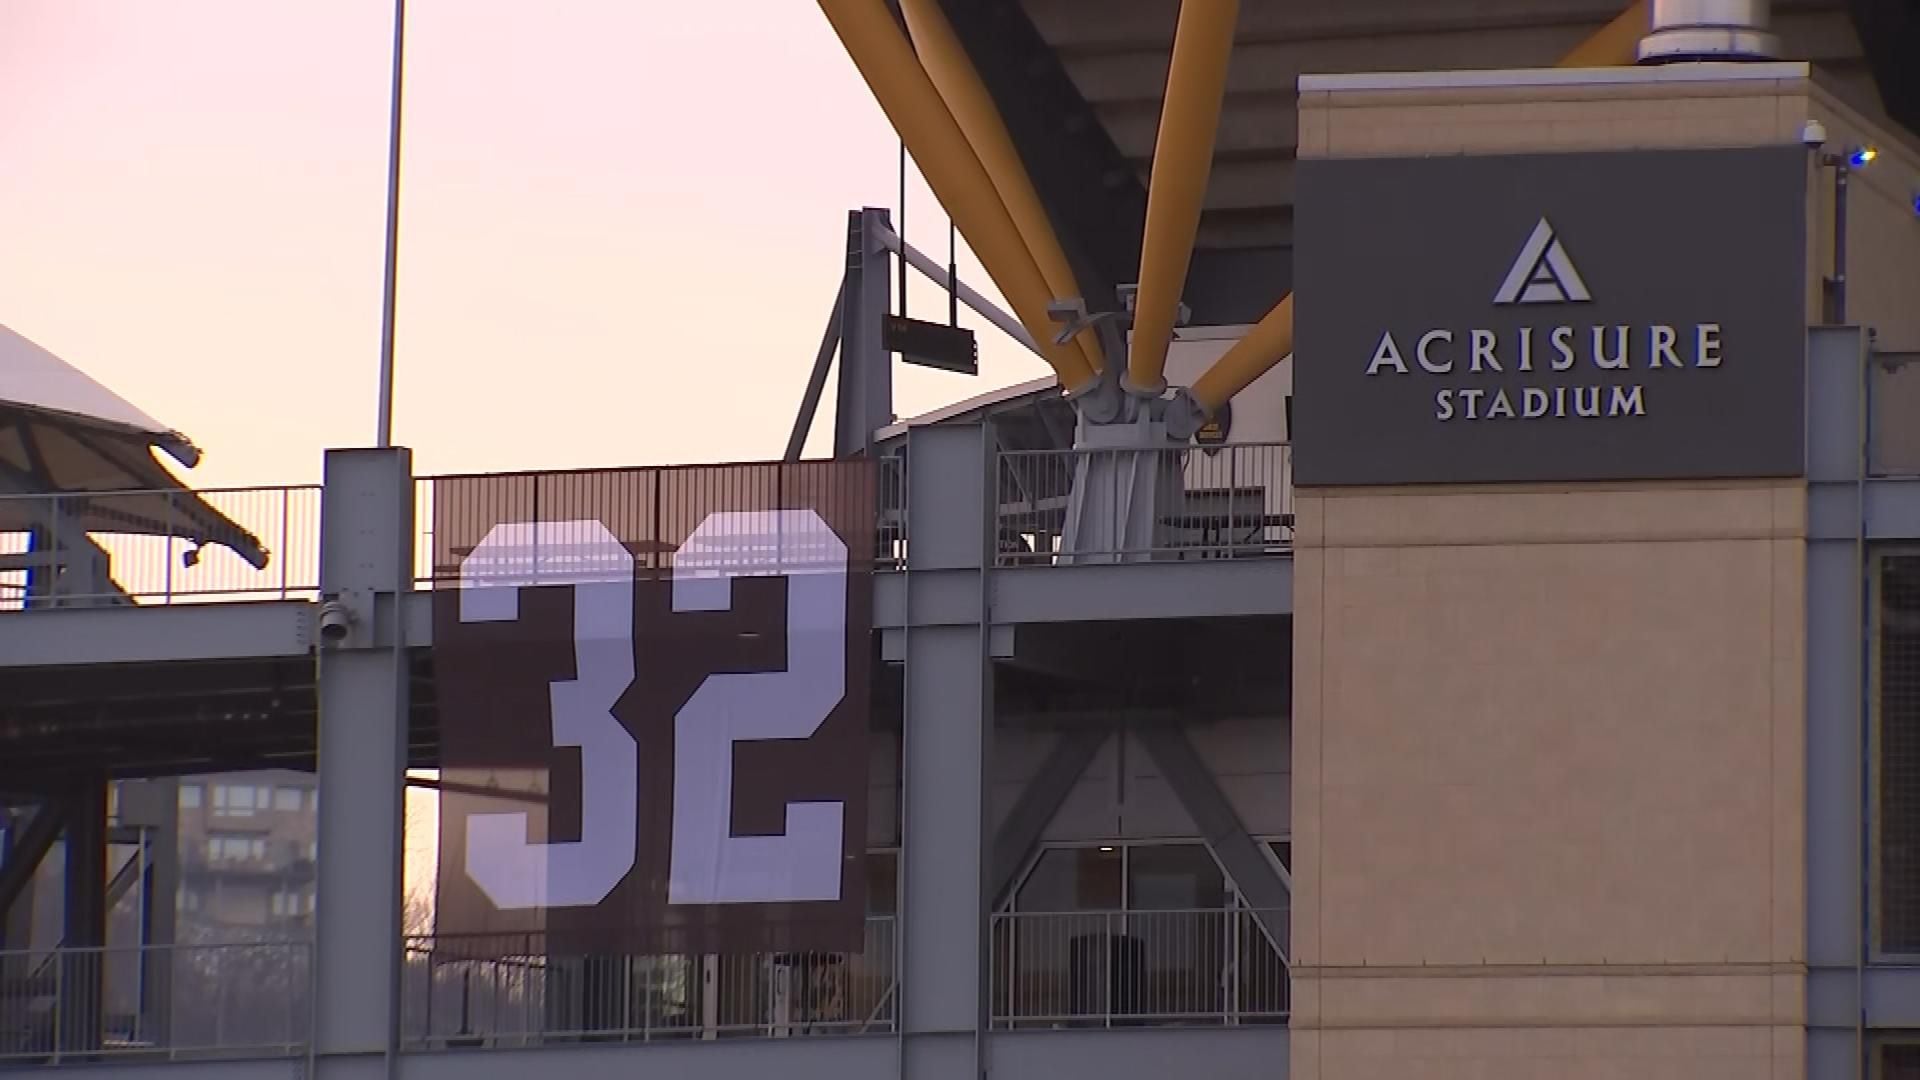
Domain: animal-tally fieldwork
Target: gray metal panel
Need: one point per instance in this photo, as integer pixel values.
(1523, 247)
(940, 598)
(1832, 1055)
(1833, 726)
(1197, 588)
(816, 1058)
(1245, 1053)
(1836, 390)
(864, 403)
(1892, 994)
(366, 549)
(948, 472)
(127, 1069)
(943, 902)
(1835, 871)
(946, 743)
(145, 635)
(1893, 510)
(1242, 1053)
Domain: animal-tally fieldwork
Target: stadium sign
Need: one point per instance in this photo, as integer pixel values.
(653, 708)
(1559, 317)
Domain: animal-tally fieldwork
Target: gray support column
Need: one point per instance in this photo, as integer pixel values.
(946, 745)
(155, 806)
(85, 922)
(366, 557)
(1836, 857)
(864, 403)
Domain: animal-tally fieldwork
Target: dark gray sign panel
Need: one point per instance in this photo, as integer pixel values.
(1560, 317)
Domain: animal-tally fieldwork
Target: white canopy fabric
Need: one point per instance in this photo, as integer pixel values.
(33, 378)
(63, 434)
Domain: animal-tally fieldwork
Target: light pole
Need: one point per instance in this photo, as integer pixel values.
(384, 438)
(1843, 166)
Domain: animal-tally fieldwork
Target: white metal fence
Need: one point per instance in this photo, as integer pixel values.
(518, 995)
(1219, 502)
(243, 999)
(1186, 502)
(1136, 968)
(71, 567)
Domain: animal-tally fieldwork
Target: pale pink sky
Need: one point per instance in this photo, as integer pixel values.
(622, 223)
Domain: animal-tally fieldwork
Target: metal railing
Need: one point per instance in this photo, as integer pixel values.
(1186, 502)
(1214, 502)
(520, 995)
(46, 550)
(1136, 968)
(240, 999)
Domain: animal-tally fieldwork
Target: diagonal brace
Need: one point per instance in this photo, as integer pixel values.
(1220, 827)
(1019, 835)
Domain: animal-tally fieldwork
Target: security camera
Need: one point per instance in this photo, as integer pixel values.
(336, 622)
(1814, 135)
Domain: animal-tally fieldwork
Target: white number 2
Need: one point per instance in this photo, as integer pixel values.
(513, 872)
(709, 865)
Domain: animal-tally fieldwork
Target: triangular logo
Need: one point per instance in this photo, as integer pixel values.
(1543, 274)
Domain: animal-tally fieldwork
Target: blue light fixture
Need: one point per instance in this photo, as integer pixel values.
(1861, 156)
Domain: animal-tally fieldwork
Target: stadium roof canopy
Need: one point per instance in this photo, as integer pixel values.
(1086, 146)
(1080, 84)
(62, 433)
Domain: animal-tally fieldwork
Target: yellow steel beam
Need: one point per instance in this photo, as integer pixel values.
(1182, 163)
(1613, 45)
(966, 97)
(1271, 340)
(953, 171)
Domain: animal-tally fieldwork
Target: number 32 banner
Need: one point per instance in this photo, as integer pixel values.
(653, 697)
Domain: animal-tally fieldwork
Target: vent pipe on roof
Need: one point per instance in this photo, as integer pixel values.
(1693, 31)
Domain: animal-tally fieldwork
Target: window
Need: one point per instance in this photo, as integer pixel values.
(1074, 879)
(232, 800)
(1900, 1061)
(292, 903)
(1896, 663)
(287, 798)
(232, 846)
(189, 796)
(186, 899)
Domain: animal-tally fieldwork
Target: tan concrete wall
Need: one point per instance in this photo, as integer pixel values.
(1547, 782)
(1527, 118)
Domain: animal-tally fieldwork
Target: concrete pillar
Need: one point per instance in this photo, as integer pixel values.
(946, 832)
(366, 561)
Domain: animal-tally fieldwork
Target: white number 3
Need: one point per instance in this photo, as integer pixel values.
(576, 873)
